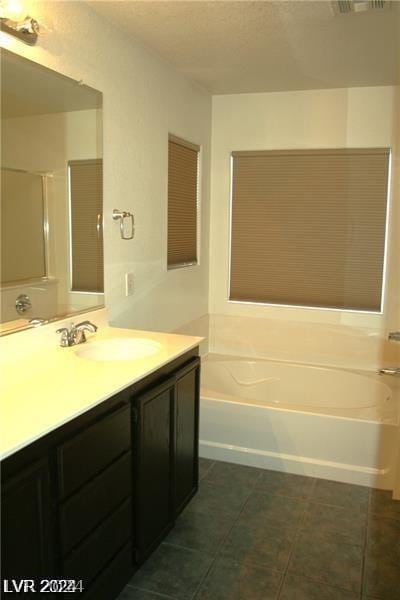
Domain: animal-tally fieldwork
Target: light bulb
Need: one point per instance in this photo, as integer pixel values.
(13, 10)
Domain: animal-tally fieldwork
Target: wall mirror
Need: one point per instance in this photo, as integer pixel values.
(51, 196)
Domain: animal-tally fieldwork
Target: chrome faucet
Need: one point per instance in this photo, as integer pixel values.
(389, 371)
(394, 335)
(75, 334)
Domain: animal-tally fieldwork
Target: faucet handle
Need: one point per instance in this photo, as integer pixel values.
(64, 341)
(78, 331)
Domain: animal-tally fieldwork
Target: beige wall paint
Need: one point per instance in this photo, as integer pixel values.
(144, 99)
(307, 119)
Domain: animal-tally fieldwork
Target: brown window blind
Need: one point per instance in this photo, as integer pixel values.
(182, 202)
(86, 193)
(308, 227)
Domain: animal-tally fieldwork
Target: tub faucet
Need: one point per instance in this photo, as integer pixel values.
(390, 371)
(75, 334)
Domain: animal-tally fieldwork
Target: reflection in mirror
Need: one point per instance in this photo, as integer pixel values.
(51, 195)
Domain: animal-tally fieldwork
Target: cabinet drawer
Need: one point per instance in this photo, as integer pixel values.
(97, 550)
(115, 576)
(82, 457)
(91, 505)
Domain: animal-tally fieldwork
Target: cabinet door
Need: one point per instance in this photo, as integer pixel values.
(186, 434)
(153, 465)
(27, 524)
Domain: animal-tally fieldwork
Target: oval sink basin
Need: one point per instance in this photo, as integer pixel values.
(118, 349)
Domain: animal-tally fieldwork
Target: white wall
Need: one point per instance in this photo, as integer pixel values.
(144, 99)
(356, 117)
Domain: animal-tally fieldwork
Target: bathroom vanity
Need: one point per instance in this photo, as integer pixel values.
(98, 440)
(91, 499)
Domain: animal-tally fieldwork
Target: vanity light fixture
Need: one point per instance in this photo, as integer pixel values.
(15, 21)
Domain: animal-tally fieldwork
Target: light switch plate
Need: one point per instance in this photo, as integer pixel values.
(129, 284)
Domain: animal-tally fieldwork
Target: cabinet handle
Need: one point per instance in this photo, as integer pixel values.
(135, 414)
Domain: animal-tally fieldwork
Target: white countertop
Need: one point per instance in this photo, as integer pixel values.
(52, 386)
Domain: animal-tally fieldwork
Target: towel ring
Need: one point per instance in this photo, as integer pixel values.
(121, 215)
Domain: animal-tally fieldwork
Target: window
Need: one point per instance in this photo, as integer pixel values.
(308, 227)
(182, 202)
(86, 215)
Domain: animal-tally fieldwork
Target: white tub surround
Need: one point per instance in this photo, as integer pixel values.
(325, 344)
(47, 386)
(328, 423)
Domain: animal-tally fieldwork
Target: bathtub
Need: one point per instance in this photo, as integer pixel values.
(323, 422)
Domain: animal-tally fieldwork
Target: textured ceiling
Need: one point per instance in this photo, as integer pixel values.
(267, 45)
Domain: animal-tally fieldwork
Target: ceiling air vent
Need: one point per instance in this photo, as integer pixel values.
(343, 7)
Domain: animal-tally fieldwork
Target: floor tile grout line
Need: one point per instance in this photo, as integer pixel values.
(136, 587)
(218, 555)
(186, 548)
(223, 539)
(295, 539)
(255, 488)
(363, 569)
(209, 468)
(282, 583)
(297, 529)
(272, 493)
(351, 508)
(384, 516)
(324, 584)
(203, 578)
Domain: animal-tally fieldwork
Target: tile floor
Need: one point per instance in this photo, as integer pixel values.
(251, 534)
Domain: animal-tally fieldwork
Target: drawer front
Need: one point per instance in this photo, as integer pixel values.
(98, 549)
(113, 579)
(84, 456)
(91, 505)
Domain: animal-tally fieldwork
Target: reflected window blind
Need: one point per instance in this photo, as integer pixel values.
(86, 194)
(182, 202)
(308, 227)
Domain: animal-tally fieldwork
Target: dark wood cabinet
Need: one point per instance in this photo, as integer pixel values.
(186, 435)
(86, 510)
(166, 422)
(99, 445)
(27, 524)
(153, 414)
(92, 499)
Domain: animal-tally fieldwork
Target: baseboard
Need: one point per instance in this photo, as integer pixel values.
(298, 465)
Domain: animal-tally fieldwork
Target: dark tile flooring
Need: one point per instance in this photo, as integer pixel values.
(251, 534)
